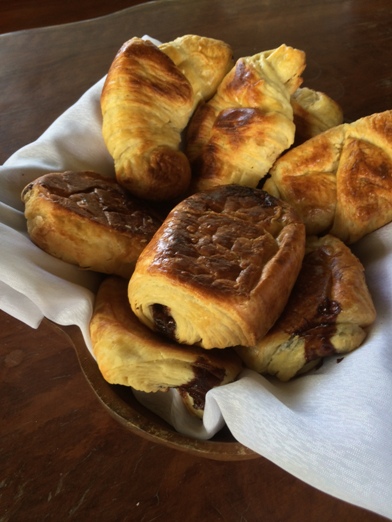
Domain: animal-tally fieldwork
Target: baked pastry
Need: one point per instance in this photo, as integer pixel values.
(203, 61)
(340, 182)
(314, 112)
(147, 102)
(88, 220)
(328, 313)
(130, 354)
(239, 133)
(220, 269)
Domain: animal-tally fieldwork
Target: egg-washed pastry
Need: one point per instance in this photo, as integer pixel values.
(147, 101)
(203, 61)
(239, 133)
(220, 269)
(130, 354)
(88, 220)
(314, 113)
(328, 313)
(340, 182)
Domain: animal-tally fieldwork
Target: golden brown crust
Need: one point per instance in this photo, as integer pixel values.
(146, 103)
(88, 220)
(130, 354)
(203, 61)
(219, 271)
(327, 313)
(238, 134)
(341, 180)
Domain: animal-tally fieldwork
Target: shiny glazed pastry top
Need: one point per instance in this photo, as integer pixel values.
(88, 220)
(340, 181)
(220, 269)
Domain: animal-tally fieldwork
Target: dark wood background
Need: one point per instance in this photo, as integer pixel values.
(17, 15)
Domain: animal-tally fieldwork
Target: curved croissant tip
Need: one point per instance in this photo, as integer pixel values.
(165, 177)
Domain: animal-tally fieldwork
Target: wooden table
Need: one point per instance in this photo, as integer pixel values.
(61, 455)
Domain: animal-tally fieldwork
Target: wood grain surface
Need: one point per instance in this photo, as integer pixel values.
(62, 456)
(25, 14)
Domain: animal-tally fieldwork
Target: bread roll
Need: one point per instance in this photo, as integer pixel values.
(239, 133)
(130, 354)
(340, 182)
(220, 269)
(88, 220)
(328, 313)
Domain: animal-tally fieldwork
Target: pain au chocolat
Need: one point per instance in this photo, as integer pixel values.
(220, 269)
(88, 220)
(248, 123)
(328, 313)
(340, 182)
(130, 354)
(147, 101)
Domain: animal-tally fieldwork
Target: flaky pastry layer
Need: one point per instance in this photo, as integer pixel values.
(328, 313)
(88, 220)
(203, 61)
(130, 354)
(340, 182)
(220, 269)
(239, 133)
(147, 100)
(314, 113)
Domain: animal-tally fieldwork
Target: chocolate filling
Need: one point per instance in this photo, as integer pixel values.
(205, 378)
(164, 322)
(310, 313)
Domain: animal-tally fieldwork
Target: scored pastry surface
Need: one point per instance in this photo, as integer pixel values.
(220, 269)
(340, 182)
(88, 220)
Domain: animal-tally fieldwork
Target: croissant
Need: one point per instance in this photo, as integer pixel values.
(219, 270)
(328, 313)
(147, 102)
(203, 61)
(239, 133)
(314, 112)
(88, 220)
(130, 354)
(340, 182)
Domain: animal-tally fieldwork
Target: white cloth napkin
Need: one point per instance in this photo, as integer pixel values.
(331, 428)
